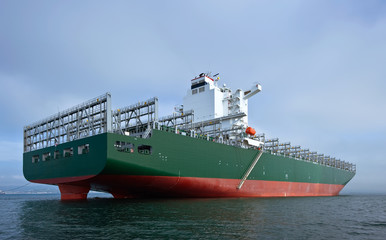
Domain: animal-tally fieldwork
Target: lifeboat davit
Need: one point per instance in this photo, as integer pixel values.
(250, 131)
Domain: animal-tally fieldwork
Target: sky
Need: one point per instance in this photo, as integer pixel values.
(321, 65)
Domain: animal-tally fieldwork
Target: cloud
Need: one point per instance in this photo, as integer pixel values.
(18, 177)
(331, 85)
(24, 101)
(11, 151)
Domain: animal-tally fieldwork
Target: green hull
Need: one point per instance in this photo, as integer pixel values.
(167, 155)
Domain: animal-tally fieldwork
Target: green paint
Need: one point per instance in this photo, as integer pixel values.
(90, 163)
(176, 155)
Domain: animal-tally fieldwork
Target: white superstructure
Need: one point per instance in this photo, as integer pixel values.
(209, 101)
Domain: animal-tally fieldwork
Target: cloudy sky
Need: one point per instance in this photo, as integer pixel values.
(321, 65)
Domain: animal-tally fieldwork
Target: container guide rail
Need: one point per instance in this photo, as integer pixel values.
(87, 119)
(135, 118)
(95, 117)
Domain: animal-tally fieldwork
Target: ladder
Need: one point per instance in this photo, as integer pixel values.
(246, 174)
(147, 132)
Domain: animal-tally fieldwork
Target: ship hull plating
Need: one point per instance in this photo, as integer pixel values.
(173, 165)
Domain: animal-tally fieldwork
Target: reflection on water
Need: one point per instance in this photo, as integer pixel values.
(349, 217)
(160, 218)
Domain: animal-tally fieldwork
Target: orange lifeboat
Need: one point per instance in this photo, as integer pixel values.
(250, 131)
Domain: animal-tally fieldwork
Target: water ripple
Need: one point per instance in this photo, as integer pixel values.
(45, 217)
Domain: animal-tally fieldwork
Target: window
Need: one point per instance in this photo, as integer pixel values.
(201, 89)
(46, 156)
(145, 149)
(83, 149)
(68, 152)
(194, 91)
(124, 147)
(198, 84)
(57, 154)
(35, 158)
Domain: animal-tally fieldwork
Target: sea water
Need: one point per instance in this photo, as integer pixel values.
(46, 217)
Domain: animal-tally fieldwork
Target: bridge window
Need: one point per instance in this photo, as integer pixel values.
(198, 84)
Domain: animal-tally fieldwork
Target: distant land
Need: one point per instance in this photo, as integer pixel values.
(30, 189)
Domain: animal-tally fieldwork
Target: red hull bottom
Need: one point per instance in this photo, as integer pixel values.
(71, 192)
(162, 186)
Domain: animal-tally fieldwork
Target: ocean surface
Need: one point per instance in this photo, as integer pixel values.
(46, 217)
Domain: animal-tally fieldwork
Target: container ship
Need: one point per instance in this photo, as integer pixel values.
(204, 149)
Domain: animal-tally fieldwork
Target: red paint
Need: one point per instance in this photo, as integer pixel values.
(142, 186)
(201, 77)
(62, 180)
(122, 186)
(73, 192)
